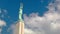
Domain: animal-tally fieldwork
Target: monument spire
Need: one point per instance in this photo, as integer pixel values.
(21, 23)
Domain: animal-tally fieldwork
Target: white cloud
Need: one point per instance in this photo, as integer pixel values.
(2, 23)
(14, 28)
(29, 31)
(49, 23)
(55, 26)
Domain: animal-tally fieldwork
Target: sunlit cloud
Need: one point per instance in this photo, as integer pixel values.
(14, 28)
(49, 23)
(28, 31)
(2, 23)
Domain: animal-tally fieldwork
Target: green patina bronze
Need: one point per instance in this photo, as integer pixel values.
(20, 12)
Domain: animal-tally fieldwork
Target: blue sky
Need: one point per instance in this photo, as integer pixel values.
(12, 7)
(30, 6)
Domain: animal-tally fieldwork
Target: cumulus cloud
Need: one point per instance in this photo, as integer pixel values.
(29, 31)
(14, 28)
(2, 23)
(49, 23)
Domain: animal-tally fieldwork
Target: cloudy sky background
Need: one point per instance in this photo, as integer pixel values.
(40, 17)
